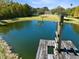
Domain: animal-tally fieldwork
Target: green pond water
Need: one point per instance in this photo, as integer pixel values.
(24, 37)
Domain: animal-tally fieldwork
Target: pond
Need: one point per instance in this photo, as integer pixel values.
(24, 37)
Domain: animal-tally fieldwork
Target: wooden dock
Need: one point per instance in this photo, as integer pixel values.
(58, 49)
(68, 50)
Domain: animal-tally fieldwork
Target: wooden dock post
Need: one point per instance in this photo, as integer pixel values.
(58, 35)
(57, 38)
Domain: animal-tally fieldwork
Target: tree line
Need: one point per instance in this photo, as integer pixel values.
(15, 10)
(73, 12)
(10, 9)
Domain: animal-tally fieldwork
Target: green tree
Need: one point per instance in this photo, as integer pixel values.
(59, 10)
(76, 13)
(14, 10)
(42, 10)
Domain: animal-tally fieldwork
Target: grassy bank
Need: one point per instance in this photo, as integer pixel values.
(5, 51)
(38, 18)
(54, 18)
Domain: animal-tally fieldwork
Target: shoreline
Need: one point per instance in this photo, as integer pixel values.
(52, 18)
(5, 51)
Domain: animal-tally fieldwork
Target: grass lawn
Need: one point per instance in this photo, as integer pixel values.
(40, 18)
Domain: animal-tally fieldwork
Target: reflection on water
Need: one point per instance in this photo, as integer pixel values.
(40, 23)
(17, 26)
(75, 28)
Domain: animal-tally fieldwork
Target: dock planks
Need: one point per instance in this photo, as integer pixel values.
(66, 50)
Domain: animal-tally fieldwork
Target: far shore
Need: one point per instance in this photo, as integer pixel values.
(54, 18)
